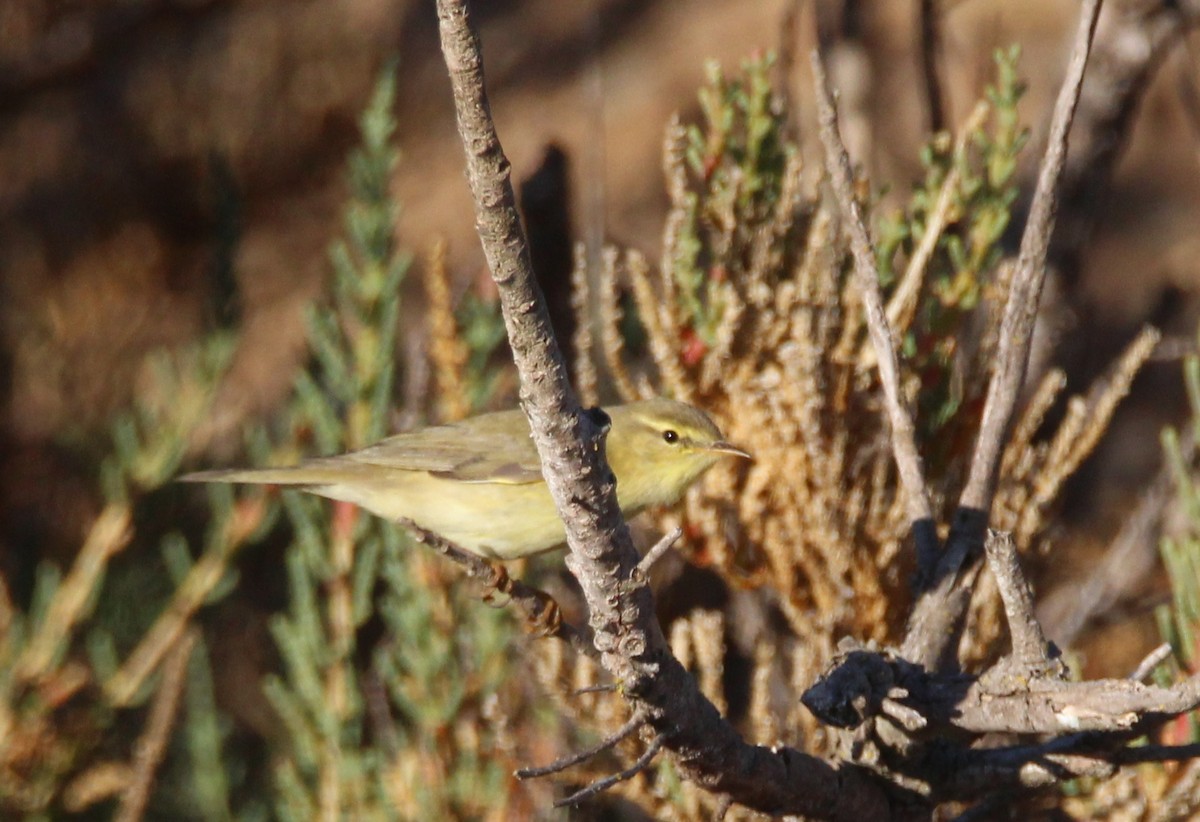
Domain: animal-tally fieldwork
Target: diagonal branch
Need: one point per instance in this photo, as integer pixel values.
(627, 634)
(1020, 311)
(866, 277)
(938, 613)
(541, 612)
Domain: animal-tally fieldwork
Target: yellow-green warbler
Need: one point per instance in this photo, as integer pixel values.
(478, 482)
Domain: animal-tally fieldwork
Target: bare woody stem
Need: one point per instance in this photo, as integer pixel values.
(866, 278)
(568, 442)
(1020, 312)
(602, 556)
(937, 615)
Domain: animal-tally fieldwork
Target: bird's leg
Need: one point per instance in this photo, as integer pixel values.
(543, 617)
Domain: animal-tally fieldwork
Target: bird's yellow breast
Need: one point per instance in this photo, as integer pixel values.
(495, 520)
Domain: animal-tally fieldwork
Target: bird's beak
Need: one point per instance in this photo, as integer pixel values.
(729, 448)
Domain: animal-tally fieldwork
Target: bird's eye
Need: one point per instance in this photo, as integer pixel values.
(670, 436)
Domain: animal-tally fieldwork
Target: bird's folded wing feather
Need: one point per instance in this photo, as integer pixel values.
(481, 449)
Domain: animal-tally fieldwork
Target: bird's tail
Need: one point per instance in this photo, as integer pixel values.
(298, 475)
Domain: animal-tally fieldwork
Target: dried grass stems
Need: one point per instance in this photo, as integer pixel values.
(447, 350)
(786, 376)
(826, 537)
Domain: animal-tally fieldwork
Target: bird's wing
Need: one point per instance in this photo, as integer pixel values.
(481, 449)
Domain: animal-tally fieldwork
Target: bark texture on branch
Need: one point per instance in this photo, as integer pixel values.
(602, 556)
(915, 725)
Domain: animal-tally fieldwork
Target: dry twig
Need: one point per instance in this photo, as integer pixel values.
(601, 785)
(557, 766)
(541, 612)
(866, 275)
(933, 626)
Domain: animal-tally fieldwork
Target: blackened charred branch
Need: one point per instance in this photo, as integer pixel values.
(626, 632)
(864, 685)
(934, 725)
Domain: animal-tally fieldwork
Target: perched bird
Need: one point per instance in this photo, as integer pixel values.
(478, 482)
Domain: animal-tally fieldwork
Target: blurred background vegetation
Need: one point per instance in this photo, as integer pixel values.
(224, 239)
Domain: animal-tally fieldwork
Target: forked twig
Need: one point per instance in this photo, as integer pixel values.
(937, 616)
(601, 785)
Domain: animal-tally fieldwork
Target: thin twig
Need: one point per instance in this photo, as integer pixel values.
(601, 785)
(1029, 645)
(866, 275)
(539, 608)
(1020, 311)
(1152, 660)
(655, 553)
(557, 766)
(152, 744)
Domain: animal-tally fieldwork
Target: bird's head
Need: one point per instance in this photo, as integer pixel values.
(657, 448)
